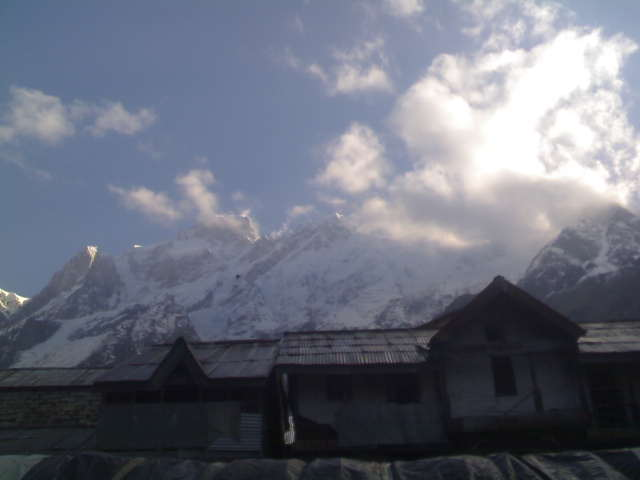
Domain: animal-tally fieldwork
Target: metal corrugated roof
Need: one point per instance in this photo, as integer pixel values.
(619, 336)
(360, 347)
(49, 377)
(219, 360)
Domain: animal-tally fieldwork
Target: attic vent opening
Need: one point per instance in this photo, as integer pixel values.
(504, 378)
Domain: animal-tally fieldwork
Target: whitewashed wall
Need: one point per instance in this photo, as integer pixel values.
(469, 375)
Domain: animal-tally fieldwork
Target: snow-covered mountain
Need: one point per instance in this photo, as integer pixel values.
(591, 271)
(9, 303)
(221, 282)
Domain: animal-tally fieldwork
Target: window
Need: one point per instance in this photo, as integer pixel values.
(504, 379)
(339, 388)
(403, 388)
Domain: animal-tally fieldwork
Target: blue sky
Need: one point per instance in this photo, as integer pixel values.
(452, 123)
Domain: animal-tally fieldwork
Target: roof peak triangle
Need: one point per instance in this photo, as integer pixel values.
(179, 354)
(500, 286)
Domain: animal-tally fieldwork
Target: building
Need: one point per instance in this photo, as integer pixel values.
(609, 361)
(208, 400)
(503, 370)
(358, 390)
(49, 409)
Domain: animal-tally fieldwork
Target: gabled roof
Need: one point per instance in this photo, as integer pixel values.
(354, 347)
(206, 362)
(501, 287)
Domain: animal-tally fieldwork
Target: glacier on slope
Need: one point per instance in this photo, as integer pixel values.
(214, 283)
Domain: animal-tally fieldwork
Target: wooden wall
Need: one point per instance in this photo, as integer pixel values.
(369, 419)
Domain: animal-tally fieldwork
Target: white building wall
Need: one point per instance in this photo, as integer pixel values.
(470, 380)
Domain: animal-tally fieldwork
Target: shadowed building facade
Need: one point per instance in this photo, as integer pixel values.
(503, 370)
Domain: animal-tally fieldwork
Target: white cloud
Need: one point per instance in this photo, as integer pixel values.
(34, 114)
(506, 23)
(356, 70)
(113, 117)
(195, 187)
(404, 8)
(355, 161)
(507, 144)
(351, 78)
(156, 205)
(195, 197)
(300, 210)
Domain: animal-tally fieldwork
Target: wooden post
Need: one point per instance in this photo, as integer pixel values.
(537, 394)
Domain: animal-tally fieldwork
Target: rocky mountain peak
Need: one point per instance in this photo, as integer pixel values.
(598, 245)
(10, 302)
(70, 276)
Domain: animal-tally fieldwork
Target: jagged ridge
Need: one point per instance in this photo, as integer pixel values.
(222, 282)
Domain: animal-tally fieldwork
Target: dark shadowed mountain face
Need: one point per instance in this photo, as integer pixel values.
(591, 271)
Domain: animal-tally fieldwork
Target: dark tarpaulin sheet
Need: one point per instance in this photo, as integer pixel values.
(621, 464)
(266, 469)
(173, 469)
(573, 466)
(465, 467)
(94, 466)
(14, 467)
(346, 469)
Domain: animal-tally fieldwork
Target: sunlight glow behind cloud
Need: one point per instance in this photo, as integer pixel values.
(510, 143)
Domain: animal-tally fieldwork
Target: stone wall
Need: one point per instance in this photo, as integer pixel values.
(48, 408)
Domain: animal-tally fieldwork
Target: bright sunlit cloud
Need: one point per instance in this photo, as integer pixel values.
(508, 143)
(195, 200)
(155, 205)
(355, 161)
